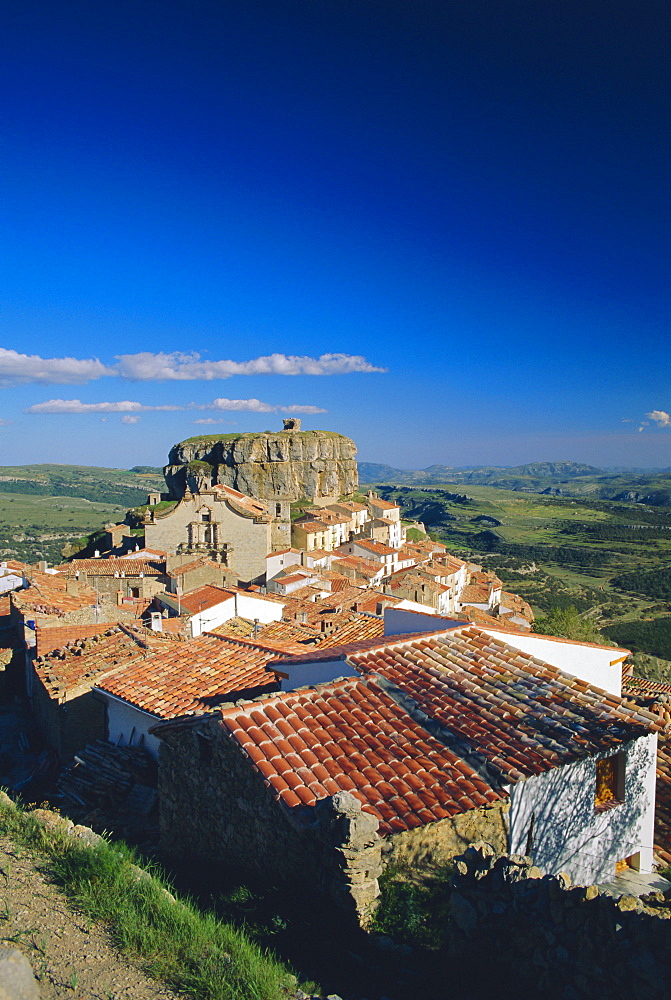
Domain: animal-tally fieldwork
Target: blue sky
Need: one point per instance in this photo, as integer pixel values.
(445, 225)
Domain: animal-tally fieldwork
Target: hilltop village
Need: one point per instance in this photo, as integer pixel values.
(299, 685)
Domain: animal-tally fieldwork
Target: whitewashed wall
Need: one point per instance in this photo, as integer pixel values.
(238, 606)
(402, 619)
(314, 672)
(569, 834)
(127, 725)
(275, 561)
(594, 664)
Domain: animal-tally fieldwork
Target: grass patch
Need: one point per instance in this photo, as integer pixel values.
(414, 905)
(190, 950)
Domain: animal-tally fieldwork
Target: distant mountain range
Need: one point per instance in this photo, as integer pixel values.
(553, 478)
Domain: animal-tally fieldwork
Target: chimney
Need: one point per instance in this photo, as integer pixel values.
(72, 587)
(256, 627)
(96, 554)
(156, 621)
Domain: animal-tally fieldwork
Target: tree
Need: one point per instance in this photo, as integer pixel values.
(567, 623)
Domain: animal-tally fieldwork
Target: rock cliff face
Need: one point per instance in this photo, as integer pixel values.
(286, 465)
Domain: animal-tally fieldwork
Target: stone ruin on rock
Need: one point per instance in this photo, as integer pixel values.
(274, 466)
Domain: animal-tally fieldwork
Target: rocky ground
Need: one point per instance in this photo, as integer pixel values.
(70, 956)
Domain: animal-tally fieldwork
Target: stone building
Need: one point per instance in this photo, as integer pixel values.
(60, 681)
(411, 747)
(217, 522)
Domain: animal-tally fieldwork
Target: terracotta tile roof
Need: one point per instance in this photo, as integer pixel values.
(57, 636)
(348, 505)
(317, 554)
(190, 566)
(346, 651)
(357, 628)
(517, 604)
(234, 628)
(376, 547)
(250, 505)
(280, 646)
(452, 561)
(279, 634)
(365, 567)
(512, 711)
(311, 526)
(328, 516)
(282, 579)
(483, 577)
(192, 676)
(17, 567)
(474, 594)
(47, 595)
(112, 567)
(288, 631)
(202, 598)
(642, 686)
(175, 626)
(409, 579)
(86, 659)
(351, 736)
(410, 552)
(479, 617)
(382, 504)
(282, 552)
(302, 596)
(438, 569)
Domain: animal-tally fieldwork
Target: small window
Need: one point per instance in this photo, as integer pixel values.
(610, 781)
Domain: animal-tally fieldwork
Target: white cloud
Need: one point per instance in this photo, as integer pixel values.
(257, 406)
(179, 366)
(211, 420)
(128, 419)
(17, 369)
(5, 423)
(660, 417)
(76, 406)
(131, 406)
(301, 409)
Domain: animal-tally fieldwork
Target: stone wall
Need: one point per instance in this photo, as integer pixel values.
(69, 725)
(214, 806)
(555, 940)
(436, 843)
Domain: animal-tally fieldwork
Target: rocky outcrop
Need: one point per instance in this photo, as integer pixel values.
(286, 465)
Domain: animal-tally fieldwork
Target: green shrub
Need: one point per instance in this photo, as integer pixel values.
(414, 905)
